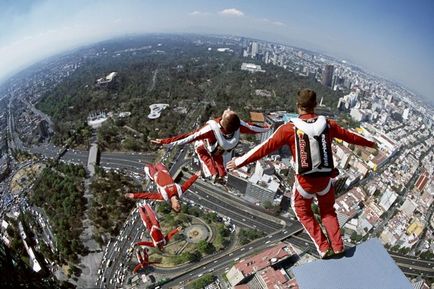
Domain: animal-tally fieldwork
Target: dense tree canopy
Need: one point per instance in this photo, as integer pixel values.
(59, 191)
(180, 73)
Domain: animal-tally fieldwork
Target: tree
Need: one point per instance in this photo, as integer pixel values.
(222, 230)
(164, 208)
(205, 247)
(267, 205)
(194, 256)
(210, 217)
(203, 281)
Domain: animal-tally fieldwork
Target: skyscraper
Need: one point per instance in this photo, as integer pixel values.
(255, 49)
(327, 75)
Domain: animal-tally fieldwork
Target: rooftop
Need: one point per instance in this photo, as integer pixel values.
(264, 259)
(363, 267)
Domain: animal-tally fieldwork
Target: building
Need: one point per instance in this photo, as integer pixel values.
(156, 110)
(340, 186)
(422, 181)
(406, 113)
(17, 274)
(237, 182)
(327, 75)
(105, 80)
(260, 265)
(254, 49)
(350, 203)
(250, 67)
(263, 92)
(348, 101)
(363, 268)
(387, 199)
(263, 185)
(358, 114)
(257, 118)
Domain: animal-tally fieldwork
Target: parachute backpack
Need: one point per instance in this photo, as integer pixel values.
(313, 152)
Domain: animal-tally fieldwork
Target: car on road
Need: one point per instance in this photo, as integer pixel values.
(109, 262)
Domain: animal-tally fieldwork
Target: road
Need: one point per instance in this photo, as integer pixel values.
(131, 161)
(226, 260)
(213, 198)
(208, 196)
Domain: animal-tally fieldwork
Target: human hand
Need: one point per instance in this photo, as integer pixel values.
(230, 166)
(157, 141)
(198, 173)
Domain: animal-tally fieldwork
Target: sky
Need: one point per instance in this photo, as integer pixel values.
(390, 38)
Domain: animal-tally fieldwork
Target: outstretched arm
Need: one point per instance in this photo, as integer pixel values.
(185, 138)
(190, 181)
(145, 243)
(252, 129)
(279, 138)
(172, 233)
(348, 136)
(145, 196)
(138, 267)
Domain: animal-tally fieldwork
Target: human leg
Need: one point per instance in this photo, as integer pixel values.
(221, 170)
(330, 220)
(303, 211)
(206, 161)
(150, 171)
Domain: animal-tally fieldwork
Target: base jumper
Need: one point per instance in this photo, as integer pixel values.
(309, 137)
(167, 189)
(214, 142)
(143, 258)
(151, 223)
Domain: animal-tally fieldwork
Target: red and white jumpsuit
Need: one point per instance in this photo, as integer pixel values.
(166, 186)
(213, 148)
(149, 219)
(307, 187)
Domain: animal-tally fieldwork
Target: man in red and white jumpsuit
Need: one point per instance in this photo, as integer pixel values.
(149, 219)
(215, 141)
(167, 189)
(307, 186)
(143, 258)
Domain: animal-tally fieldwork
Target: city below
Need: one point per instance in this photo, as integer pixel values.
(75, 134)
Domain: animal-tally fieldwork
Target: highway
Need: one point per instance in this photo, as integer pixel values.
(118, 251)
(213, 198)
(132, 161)
(227, 259)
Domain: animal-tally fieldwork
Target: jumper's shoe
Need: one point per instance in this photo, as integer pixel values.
(147, 172)
(339, 254)
(220, 180)
(327, 254)
(214, 179)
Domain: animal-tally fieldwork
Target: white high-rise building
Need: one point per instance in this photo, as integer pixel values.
(255, 49)
(406, 113)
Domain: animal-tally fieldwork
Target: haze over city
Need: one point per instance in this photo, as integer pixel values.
(391, 39)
